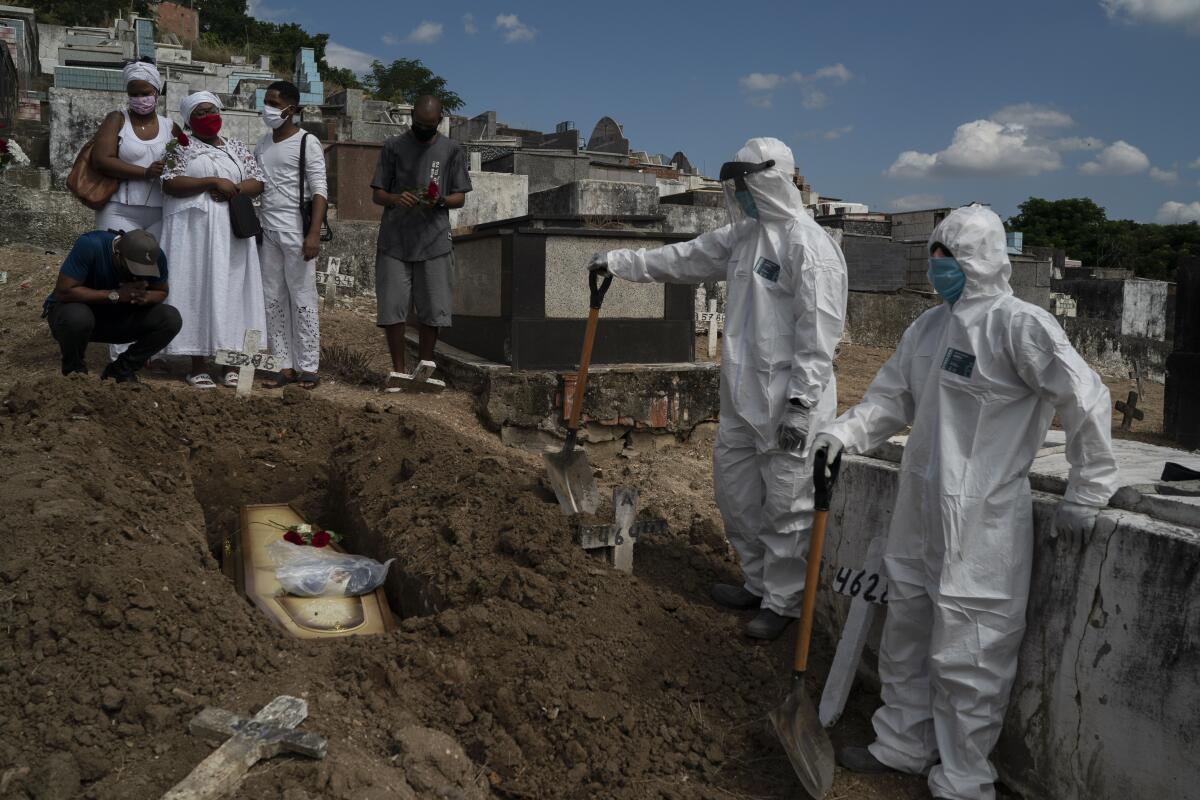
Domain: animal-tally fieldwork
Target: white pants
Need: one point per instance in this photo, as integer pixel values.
(120, 217)
(290, 290)
(766, 501)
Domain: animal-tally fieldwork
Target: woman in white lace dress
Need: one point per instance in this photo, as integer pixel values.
(215, 279)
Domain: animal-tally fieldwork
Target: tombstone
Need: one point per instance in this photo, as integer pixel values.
(331, 279)
(1130, 411)
(867, 589)
(247, 360)
(521, 296)
(608, 137)
(3, 277)
(715, 321)
(250, 740)
(1181, 419)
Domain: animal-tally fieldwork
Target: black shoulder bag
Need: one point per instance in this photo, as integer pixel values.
(306, 206)
(242, 217)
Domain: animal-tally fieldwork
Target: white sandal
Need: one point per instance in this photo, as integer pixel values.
(200, 380)
(231, 380)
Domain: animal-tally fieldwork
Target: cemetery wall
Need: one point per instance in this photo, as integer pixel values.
(1121, 327)
(874, 319)
(545, 170)
(1104, 697)
(598, 198)
(874, 263)
(46, 219)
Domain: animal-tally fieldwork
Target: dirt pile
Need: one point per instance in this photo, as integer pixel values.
(523, 666)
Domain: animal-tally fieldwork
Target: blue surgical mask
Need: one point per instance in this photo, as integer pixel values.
(947, 278)
(746, 201)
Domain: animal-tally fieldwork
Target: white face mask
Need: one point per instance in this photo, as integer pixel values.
(272, 117)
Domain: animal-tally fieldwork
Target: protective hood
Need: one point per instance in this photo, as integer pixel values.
(775, 195)
(975, 236)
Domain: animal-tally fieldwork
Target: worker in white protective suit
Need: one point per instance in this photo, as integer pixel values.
(783, 319)
(979, 379)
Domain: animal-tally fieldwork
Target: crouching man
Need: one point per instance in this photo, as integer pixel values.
(111, 289)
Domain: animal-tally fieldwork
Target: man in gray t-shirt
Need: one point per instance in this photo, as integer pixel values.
(421, 175)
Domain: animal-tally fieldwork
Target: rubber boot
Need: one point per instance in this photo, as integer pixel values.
(730, 596)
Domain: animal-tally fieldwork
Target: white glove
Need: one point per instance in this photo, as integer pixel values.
(599, 263)
(793, 428)
(1075, 522)
(831, 445)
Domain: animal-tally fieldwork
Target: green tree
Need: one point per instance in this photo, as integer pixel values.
(404, 80)
(83, 12)
(343, 77)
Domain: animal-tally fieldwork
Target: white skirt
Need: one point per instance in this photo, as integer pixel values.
(120, 217)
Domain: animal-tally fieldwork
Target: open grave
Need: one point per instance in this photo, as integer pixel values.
(523, 666)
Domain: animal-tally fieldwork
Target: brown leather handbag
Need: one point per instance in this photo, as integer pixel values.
(92, 187)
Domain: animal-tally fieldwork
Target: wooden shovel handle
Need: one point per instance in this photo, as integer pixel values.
(585, 360)
(816, 545)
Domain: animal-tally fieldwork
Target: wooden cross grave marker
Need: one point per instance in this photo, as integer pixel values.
(3, 277)
(617, 539)
(250, 740)
(248, 359)
(1130, 411)
(331, 279)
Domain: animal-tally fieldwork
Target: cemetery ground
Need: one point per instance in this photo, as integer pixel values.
(545, 675)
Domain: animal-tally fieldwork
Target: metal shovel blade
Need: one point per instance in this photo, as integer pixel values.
(804, 739)
(572, 479)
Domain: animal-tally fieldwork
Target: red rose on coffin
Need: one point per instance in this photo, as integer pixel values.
(293, 537)
(431, 193)
(320, 538)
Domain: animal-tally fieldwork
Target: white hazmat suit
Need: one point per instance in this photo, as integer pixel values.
(783, 318)
(979, 382)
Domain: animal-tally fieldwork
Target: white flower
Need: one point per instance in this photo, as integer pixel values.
(303, 529)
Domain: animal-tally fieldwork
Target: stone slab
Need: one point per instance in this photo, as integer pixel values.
(477, 277)
(567, 296)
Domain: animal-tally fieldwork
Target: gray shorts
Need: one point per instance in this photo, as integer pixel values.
(425, 285)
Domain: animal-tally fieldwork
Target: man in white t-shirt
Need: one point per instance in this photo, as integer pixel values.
(288, 246)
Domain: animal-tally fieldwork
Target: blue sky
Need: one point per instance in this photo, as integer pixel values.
(897, 105)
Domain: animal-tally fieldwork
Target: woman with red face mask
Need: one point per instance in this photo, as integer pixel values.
(130, 146)
(215, 279)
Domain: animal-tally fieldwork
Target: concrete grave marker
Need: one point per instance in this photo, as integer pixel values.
(331, 279)
(716, 322)
(617, 539)
(1130, 411)
(863, 609)
(247, 360)
(250, 740)
(3, 277)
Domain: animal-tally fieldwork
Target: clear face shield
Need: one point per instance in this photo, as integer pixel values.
(739, 202)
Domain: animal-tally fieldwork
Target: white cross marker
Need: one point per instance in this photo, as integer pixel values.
(3, 277)
(715, 323)
(863, 608)
(247, 360)
(331, 279)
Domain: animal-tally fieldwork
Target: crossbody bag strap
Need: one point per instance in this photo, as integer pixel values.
(303, 160)
(241, 171)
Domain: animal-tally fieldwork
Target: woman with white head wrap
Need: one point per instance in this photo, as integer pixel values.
(130, 147)
(216, 282)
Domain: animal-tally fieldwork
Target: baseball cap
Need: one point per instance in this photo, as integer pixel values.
(139, 250)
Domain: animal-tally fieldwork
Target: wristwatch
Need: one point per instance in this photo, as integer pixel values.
(114, 296)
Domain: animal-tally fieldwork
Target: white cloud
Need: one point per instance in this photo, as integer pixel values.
(260, 10)
(1069, 143)
(338, 55)
(1164, 175)
(917, 202)
(1031, 115)
(760, 81)
(514, 29)
(811, 97)
(1119, 158)
(389, 39)
(1184, 13)
(1195, 164)
(1173, 213)
(425, 33)
(982, 147)
(469, 26)
(836, 133)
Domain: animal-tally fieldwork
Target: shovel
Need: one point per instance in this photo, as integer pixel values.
(796, 722)
(570, 474)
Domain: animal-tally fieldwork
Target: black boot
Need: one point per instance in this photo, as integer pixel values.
(120, 372)
(730, 596)
(767, 625)
(859, 759)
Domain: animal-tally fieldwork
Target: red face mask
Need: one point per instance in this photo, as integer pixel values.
(208, 126)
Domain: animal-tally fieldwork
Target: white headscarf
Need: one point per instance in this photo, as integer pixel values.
(142, 71)
(188, 104)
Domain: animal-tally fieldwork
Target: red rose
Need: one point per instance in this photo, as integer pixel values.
(293, 537)
(320, 538)
(3, 145)
(432, 191)
(182, 138)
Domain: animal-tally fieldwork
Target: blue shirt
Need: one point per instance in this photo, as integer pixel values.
(91, 263)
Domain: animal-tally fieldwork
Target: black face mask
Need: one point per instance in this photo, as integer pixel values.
(422, 133)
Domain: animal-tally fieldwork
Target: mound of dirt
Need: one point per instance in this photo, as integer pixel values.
(523, 667)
